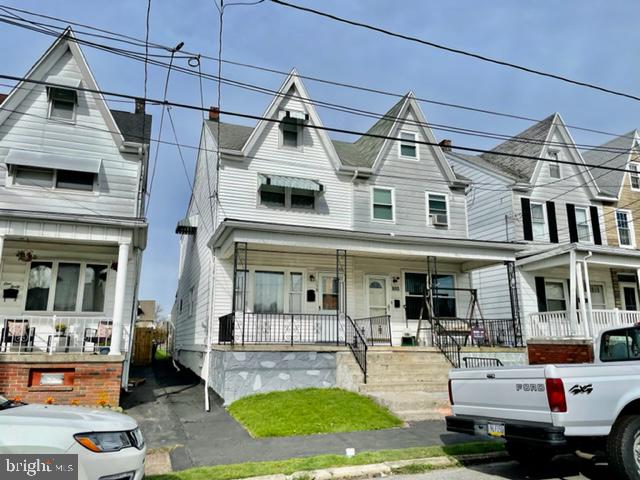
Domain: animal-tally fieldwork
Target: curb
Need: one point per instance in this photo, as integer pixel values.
(387, 468)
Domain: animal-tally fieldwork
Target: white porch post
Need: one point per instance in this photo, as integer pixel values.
(571, 308)
(581, 297)
(1, 248)
(587, 284)
(118, 303)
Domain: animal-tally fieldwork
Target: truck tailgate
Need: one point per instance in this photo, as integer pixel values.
(501, 393)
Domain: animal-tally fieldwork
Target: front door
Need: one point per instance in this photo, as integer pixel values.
(377, 295)
(629, 296)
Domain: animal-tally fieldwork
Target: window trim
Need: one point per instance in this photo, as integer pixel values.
(393, 204)
(54, 283)
(554, 162)
(634, 166)
(250, 295)
(587, 213)
(428, 209)
(565, 293)
(415, 144)
(543, 206)
(632, 230)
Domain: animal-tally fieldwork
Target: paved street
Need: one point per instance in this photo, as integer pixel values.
(562, 468)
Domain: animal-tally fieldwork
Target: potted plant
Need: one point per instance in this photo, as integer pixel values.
(61, 329)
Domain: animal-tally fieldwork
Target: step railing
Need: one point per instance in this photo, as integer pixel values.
(376, 330)
(446, 343)
(479, 362)
(357, 344)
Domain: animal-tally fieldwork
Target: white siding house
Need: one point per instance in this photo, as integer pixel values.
(72, 226)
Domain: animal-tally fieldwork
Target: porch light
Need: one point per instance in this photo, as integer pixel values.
(312, 278)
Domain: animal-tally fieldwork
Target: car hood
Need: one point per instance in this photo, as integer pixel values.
(81, 419)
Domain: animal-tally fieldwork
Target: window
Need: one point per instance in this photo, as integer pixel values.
(62, 103)
(437, 209)
(554, 292)
(51, 377)
(634, 176)
(582, 224)
(329, 289)
(305, 199)
(269, 292)
(290, 132)
(554, 166)
(444, 297)
(626, 236)
(272, 196)
(75, 180)
(382, 204)
(538, 221)
(295, 292)
(66, 287)
(620, 345)
(408, 147)
(33, 177)
(597, 296)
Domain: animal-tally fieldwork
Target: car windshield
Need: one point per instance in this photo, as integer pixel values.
(6, 403)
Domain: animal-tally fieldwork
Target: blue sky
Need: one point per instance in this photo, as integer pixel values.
(596, 41)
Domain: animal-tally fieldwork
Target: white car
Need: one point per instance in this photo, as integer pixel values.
(542, 410)
(109, 445)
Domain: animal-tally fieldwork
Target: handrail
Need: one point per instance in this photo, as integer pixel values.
(376, 329)
(450, 348)
(478, 362)
(357, 344)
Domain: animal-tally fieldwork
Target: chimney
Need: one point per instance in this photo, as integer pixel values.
(140, 105)
(214, 114)
(445, 145)
(3, 97)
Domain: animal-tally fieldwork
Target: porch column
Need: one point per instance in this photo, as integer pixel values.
(581, 297)
(118, 302)
(571, 308)
(587, 283)
(1, 248)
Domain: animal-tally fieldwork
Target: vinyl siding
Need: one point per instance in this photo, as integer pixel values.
(493, 291)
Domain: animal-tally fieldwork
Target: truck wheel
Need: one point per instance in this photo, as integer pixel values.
(528, 455)
(623, 447)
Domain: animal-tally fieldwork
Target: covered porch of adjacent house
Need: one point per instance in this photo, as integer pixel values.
(576, 291)
(302, 285)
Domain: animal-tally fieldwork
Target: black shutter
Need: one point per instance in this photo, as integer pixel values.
(541, 294)
(553, 224)
(595, 226)
(526, 218)
(571, 219)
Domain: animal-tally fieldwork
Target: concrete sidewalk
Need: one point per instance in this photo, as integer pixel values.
(169, 407)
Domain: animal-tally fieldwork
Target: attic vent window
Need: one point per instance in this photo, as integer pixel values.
(62, 103)
(291, 127)
(554, 166)
(408, 147)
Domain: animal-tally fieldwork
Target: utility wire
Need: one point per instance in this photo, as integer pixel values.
(458, 51)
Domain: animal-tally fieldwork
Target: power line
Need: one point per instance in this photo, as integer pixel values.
(457, 50)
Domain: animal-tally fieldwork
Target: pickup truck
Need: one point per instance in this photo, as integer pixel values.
(544, 410)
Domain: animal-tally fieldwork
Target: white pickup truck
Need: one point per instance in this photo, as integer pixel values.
(543, 410)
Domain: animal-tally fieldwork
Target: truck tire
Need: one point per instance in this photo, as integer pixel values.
(528, 455)
(623, 447)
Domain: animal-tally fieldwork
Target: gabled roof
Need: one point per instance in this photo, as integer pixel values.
(131, 125)
(610, 181)
(529, 142)
(481, 162)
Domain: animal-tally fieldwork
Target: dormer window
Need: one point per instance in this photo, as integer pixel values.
(554, 166)
(62, 103)
(408, 147)
(291, 128)
(634, 175)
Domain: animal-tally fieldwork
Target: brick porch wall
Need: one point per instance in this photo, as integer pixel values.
(560, 351)
(94, 379)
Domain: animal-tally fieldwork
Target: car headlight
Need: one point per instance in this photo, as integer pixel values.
(137, 440)
(106, 441)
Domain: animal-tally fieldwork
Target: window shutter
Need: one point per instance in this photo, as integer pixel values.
(541, 294)
(595, 225)
(526, 218)
(553, 224)
(571, 219)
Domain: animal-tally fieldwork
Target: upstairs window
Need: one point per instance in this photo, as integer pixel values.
(75, 180)
(288, 192)
(634, 176)
(408, 147)
(624, 226)
(62, 103)
(33, 177)
(438, 212)
(290, 133)
(51, 178)
(538, 221)
(554, 166)
(304, 199)
(273, 196)
(583, 225)
(382, 204)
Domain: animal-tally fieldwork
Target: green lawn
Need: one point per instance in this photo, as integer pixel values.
(308, 411)
(287, 467)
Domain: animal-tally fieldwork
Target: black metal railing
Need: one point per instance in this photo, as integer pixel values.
(375, 330)
(357, 344)
(491, 332)
(479, 362)
(502, 332)
(279, 328)
(446, 342)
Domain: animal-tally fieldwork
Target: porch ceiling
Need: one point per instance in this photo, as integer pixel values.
(273, 237)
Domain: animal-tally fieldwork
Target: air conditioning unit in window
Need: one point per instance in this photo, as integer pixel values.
(439, 220)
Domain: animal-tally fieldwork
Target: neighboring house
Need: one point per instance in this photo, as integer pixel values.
(147, 310)
(575, 273)
(72, 230)
(312, 236)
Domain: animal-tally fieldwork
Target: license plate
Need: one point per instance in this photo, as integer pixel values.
(495, 429)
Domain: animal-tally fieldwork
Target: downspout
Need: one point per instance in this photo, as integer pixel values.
(207, 358)
(355, 175)
(134, 310)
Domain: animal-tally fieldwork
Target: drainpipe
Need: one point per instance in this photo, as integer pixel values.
(587, 283)
(355, 175)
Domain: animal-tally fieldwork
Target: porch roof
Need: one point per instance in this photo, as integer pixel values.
(594, 254)
(472, 253)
